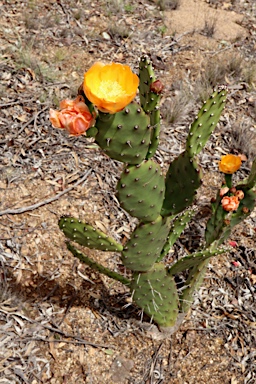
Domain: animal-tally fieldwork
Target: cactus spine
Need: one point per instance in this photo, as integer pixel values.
(158, 202)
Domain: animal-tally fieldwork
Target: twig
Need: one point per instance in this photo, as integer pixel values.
(44, 202)
(77, 340)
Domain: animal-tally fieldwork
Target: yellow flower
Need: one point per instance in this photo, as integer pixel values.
(110, 87)
(230, 164)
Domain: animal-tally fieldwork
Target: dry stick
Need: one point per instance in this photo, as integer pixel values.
(44, 202)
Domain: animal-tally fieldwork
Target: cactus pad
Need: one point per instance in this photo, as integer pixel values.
(154, 139)
(182, 180)
(155, 292)
(141, 190)
(195, 259)
(124, 136)
(177, 226)
(193, 283)
(148, 99)
(205, 122)
(85, 234)
(145, 245)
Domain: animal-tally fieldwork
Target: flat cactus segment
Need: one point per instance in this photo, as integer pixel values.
(145, 245)
(205, 122)
(148, 99)
(140, 190)
(125, 136)
(177, 227)
(182, 180)
(216, 223)
(154, 139)
(245, 208)
(193, 260)
(193, 283)
(85, 234)
(156, 293)
(251, 181)
(96, 266)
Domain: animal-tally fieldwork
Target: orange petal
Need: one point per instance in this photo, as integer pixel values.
(54, 118)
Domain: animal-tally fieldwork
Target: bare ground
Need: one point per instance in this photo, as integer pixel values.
(60, 321)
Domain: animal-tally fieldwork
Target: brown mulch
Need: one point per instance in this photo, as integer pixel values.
(60, 321)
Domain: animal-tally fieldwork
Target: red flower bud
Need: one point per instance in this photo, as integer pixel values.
(157, 87)
(240, 194)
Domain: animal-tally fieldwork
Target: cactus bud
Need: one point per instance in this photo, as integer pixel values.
(239, 194)
(245, 210)
(157, 87)
(233, 190)
(223, 191)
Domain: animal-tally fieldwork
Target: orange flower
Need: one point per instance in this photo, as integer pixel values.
(230, 203)
(230, 164)
(223, 191)
(74, 116)
(110, 87)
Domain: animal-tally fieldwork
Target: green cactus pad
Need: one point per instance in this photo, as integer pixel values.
(154, 139)
(140, 190)
(248, 203)
(177, 227)
(250, 183)
(205, 122)
(216, 223)
(193, 260)
(155, 292)
(96, 266)
(124, 136)
(182, 180)
(193, 283)
(145, 244)
(148, 99)
(85, 234)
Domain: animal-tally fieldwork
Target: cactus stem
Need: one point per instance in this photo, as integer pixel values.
(98, 267)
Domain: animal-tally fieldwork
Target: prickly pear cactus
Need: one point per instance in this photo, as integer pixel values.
(150, 92)
(182, 181)
(85, 234)
(205, 122)
(140, 190)
(159, 202)
(156, 293)
(125, 136)
(145, 244)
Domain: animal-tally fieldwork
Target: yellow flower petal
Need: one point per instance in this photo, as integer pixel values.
(110, 87)
(230, 164)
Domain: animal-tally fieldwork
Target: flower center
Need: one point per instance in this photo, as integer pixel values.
(110, 90)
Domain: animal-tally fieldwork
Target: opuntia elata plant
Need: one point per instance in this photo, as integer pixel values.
(129, 132)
